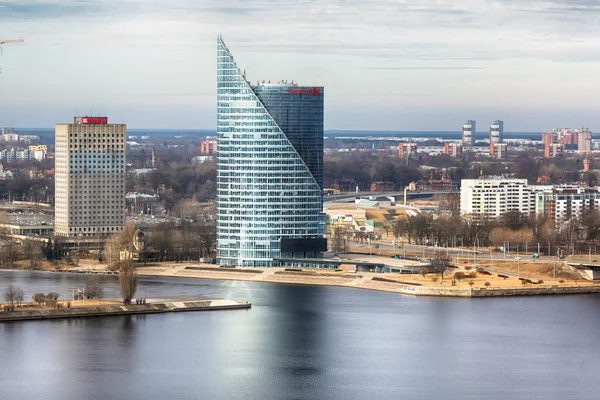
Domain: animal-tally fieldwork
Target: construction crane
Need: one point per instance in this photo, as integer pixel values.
(6, 41)
(11, 41)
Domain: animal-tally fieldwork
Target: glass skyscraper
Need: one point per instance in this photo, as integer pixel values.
(269, 169)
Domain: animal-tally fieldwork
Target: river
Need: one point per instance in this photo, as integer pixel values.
(304, 342)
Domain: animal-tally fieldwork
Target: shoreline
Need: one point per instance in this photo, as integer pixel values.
(157, 306)
(360, 280)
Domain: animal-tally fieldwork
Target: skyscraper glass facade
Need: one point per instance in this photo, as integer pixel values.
(269, 169)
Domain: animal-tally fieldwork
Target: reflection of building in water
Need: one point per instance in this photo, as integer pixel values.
(141, 203)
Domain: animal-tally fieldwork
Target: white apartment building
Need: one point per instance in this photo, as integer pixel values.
(22, 155)
(469, 130)
(90, 177)
(562, 203)
(496, 132)
(496, 196)
(584, 140)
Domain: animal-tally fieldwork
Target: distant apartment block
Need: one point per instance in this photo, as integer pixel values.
(497, 132)
(90, 177)
(22, 155)
(469, 130)
(495, 196)
(453, 149)
(10, 137)
(499, 150)
(208, 147)
(584, 140)
(565, 136)
(407, 149)
(547, 138)
(552, 150)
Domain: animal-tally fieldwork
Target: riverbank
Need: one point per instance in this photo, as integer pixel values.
(484, 285)
(112, 308)
(472, 284)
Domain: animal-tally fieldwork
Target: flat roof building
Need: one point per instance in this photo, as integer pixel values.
(495, 196)
(469, 130)
(90, 177)
(497, 132)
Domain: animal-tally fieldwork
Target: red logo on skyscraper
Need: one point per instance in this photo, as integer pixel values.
(316, 91)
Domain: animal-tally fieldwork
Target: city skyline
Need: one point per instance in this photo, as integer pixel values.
(421, 67)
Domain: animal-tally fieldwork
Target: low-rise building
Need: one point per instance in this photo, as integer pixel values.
(496, 196)
(382, 186)
(141, 203)
(201, 159)
(22, 155)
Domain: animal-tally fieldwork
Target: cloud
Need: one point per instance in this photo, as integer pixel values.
(426, 68)
(477, 52)
(376, 29)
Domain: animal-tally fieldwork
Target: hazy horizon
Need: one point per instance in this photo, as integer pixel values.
(386, 65)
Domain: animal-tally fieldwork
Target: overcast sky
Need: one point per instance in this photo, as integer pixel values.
(385, 64)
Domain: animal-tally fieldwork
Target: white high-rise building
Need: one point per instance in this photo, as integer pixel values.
(90, 177)
(495, 196)
(584, 140)
(469, 130)
(496, 132)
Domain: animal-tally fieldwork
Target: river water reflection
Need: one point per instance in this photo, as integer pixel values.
(304, 342)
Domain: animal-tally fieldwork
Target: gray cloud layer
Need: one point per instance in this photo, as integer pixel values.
(473, 53)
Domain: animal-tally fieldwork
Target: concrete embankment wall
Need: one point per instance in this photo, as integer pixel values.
(460, 292)
(105, 311)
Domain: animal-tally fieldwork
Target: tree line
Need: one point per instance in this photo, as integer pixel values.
(512, 228)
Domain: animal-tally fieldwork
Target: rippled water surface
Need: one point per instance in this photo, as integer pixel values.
(304, 342)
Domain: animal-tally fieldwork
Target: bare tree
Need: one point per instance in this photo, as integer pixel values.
(126, 238)
(33, 252)
(339, 243)
(12, 294)
(590, 221)
(52, 299)
(93, 288)
(128, 281)
(39, 298)
(439, 265)
(19, 296)
(112, 250)
(9, 254)
(162, 240)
